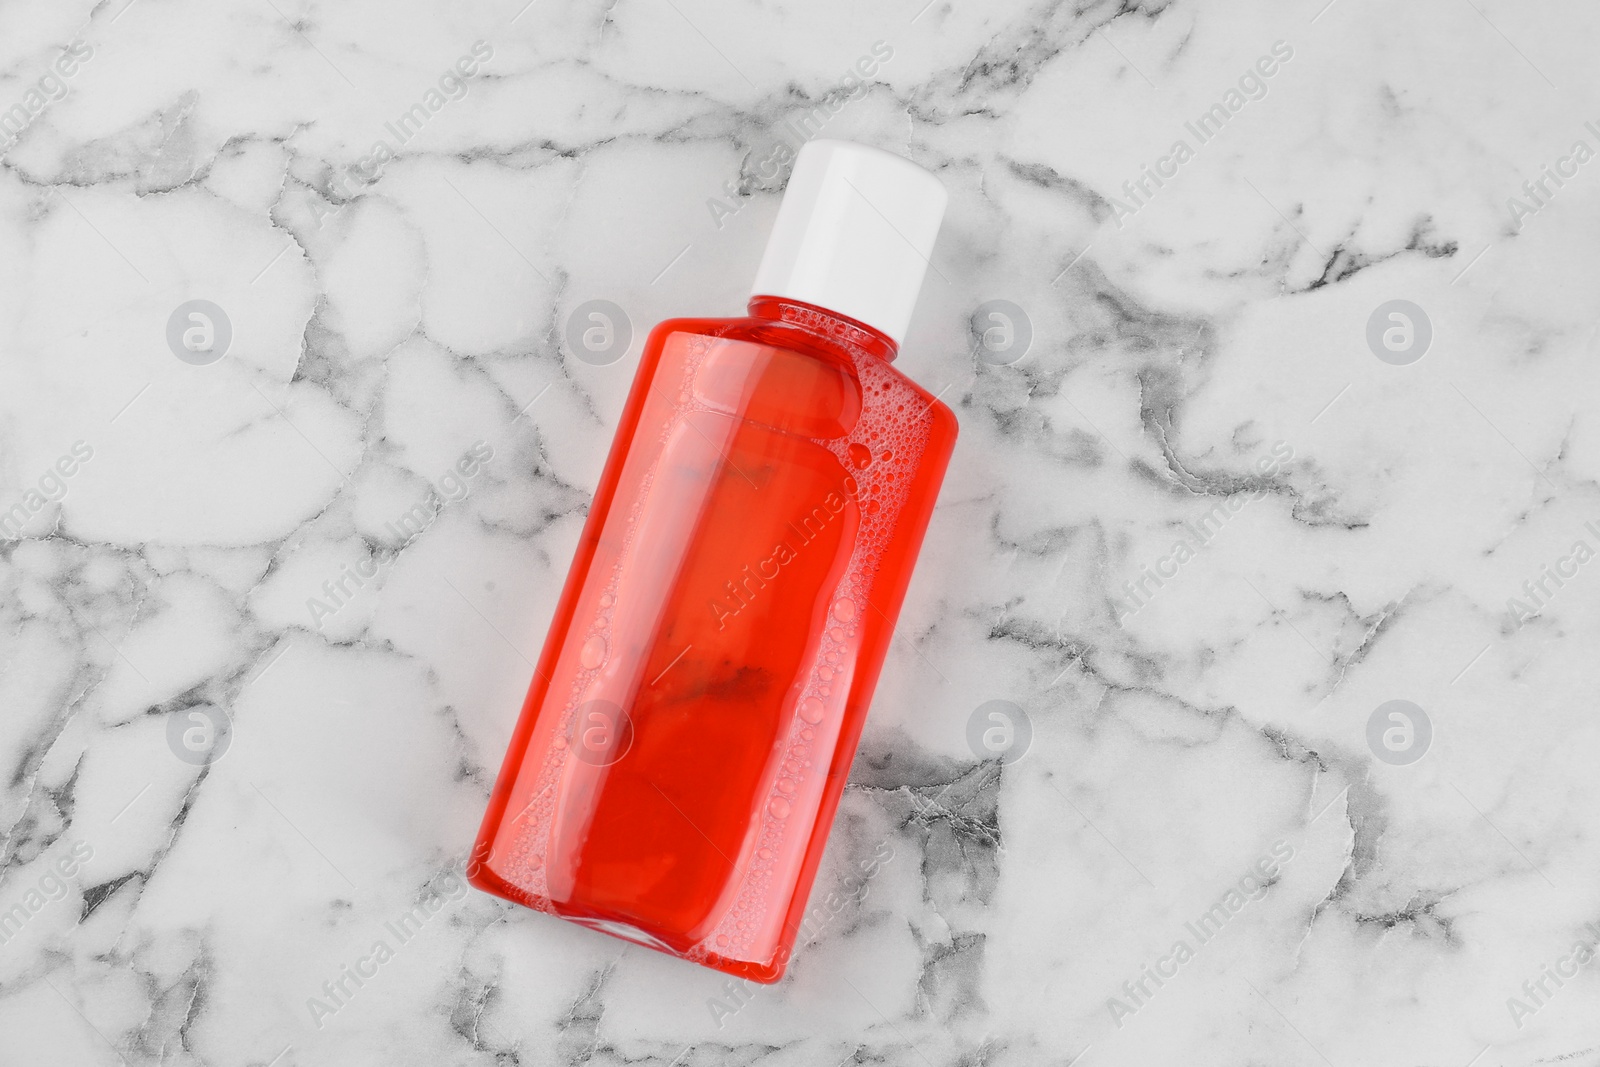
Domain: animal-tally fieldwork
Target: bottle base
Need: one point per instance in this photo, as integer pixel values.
(765, 973)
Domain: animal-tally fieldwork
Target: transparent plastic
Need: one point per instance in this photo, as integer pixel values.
(693, 717)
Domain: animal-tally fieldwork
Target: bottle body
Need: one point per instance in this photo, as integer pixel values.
(695, 711)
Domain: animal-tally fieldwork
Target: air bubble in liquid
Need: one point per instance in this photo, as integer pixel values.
(779, 808)
(844, 610)
(593, 652)
(860, 455)
(811, 710)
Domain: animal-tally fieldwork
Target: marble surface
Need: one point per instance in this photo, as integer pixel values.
(216, 796)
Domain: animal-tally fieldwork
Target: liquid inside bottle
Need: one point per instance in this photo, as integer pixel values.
(724, 634)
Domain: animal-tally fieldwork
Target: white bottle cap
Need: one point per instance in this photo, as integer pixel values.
(853, 234)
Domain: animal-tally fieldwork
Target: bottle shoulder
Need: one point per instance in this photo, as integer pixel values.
(778, 334)
(770, 333)
(763, 332)
(743, 328)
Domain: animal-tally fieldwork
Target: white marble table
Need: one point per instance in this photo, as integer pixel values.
(261, 649)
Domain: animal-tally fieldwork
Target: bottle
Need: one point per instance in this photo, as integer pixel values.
(693, 717)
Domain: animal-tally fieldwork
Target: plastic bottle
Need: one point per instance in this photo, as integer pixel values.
(695, 711)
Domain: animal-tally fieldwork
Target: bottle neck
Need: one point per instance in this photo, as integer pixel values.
(822, 323)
